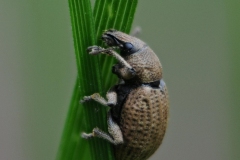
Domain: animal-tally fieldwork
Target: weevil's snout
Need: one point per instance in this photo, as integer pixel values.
(113, 37)
(109, 40)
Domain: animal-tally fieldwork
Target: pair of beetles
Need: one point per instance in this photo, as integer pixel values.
(138, 115)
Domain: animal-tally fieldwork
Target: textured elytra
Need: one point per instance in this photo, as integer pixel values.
(143, 123)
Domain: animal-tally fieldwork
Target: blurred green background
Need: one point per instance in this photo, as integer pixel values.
(198, 43)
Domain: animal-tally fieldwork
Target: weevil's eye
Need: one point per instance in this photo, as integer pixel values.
(127, 49)
(127, 46)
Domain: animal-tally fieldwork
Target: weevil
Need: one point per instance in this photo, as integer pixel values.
(138, 115)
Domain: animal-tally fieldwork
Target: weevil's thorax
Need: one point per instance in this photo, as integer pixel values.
(147, 65)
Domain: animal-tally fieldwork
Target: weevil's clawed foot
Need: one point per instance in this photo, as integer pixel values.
(94, 50)
(87, 135)
(94, 96)
(85, 99)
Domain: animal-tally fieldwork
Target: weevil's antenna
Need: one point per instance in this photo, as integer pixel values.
(136, 31)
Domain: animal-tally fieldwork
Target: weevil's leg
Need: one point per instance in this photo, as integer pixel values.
(115, 136)
(112, 96)
(114, 130)
(94, 50)
(97, 50)
(96, 97)
(123, 72)
(120, 59)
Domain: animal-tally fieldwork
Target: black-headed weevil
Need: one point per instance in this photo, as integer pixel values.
(138, 114)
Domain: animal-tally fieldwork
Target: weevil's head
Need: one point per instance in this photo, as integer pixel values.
(126, 43)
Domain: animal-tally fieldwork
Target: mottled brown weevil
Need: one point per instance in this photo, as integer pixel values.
(138, 114)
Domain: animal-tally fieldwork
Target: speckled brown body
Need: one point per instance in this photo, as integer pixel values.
(137, 120)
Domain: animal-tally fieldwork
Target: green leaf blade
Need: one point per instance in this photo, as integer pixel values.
(106, 14)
